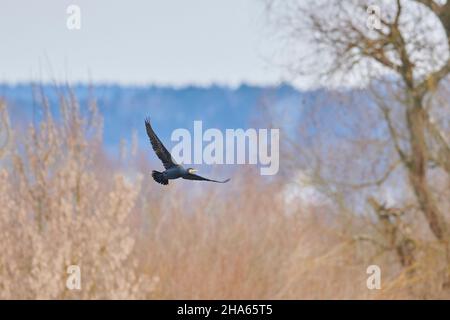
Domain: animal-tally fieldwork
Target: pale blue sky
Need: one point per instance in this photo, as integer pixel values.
(174, 42)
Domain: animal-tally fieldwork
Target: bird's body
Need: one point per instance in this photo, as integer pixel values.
(169, 174)
(173, 170)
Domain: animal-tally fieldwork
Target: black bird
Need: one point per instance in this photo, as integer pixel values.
(173, 170)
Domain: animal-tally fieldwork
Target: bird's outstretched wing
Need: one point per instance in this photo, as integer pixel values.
(191, 176)
(158, 147)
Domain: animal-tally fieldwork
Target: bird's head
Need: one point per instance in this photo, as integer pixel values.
(192, 170)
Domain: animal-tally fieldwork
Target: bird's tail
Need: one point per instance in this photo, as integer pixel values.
(159, 177)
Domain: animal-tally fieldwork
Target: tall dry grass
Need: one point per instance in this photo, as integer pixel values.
(58, 210)
(62, 202)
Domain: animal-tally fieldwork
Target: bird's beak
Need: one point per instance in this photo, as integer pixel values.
(194, 170)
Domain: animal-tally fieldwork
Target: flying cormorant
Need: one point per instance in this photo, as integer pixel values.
(173, 170)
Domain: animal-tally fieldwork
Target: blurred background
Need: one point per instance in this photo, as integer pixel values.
(359, 90)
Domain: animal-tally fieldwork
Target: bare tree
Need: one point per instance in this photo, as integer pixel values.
(403, 62)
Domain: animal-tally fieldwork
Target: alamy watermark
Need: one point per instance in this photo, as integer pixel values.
(73, 21)
(374, 19)
(374, 280)
(73, 281)
(235, 146)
